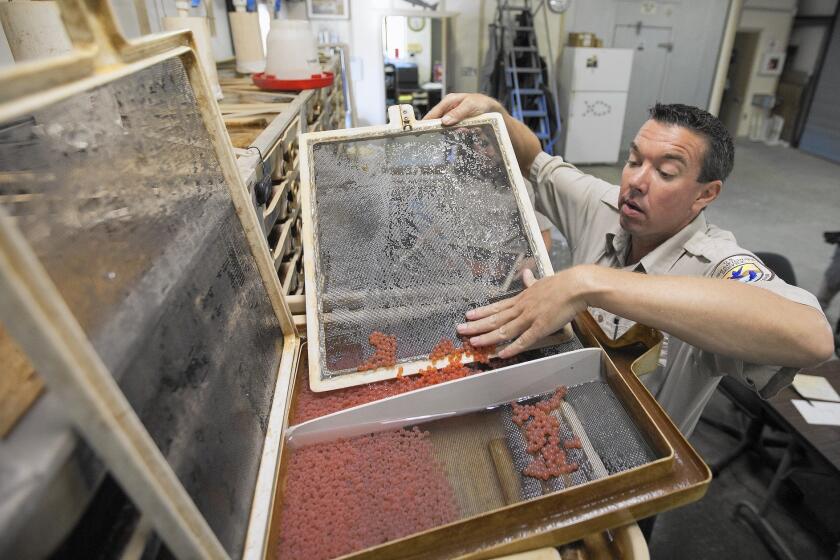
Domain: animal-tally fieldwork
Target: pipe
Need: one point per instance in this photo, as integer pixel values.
(735, 7)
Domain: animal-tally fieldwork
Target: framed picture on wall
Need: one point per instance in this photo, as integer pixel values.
(328, 9)
(772, 63)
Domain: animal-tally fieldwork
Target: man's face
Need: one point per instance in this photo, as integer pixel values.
(660, 193)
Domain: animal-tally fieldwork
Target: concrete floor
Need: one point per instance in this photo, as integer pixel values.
(777, 200)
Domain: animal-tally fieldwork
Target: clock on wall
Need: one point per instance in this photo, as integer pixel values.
(558, 6)
(416, 23)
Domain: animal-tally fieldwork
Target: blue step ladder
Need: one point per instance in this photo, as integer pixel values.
(528, 94)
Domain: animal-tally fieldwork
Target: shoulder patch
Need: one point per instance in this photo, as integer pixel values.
(743, 268)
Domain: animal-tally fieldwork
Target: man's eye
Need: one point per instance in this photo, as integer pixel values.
(632, 163)
(665, 175)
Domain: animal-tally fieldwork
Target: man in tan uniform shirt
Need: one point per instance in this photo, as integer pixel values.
(724, 311)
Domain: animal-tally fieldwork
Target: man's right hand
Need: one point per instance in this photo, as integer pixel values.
(456, 107)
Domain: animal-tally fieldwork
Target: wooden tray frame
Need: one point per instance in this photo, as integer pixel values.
(35, 314)
(401, 119)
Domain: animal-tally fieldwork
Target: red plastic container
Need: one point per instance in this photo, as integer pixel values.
(273, 83)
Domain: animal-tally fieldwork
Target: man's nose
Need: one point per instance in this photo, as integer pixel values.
(640, 178)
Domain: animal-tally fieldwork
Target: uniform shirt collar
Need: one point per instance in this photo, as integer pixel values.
(617, 240)
(618, 243)
(661, 259)
(664, 257)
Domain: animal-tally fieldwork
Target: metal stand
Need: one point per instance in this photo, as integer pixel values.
(751, 439)
(755, 516)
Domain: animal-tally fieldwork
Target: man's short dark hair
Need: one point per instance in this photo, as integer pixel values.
(720, 151)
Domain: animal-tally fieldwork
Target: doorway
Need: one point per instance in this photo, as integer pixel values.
(738, 79)
(414, 55)
(652, 46)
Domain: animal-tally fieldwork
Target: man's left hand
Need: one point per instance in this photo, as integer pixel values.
(544, 307)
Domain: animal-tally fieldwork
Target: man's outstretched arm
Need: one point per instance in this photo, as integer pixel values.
(456, 107)
(720, 316)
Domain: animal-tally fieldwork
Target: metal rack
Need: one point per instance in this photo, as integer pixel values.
(268, 158)
(531, 91)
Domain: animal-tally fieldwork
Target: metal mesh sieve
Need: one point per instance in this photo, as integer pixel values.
(611, 441)
(411, 230)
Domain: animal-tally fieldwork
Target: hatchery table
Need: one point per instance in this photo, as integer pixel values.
(823, 441)
(811, 448)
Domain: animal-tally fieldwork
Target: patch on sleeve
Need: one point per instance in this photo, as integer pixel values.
(743, 268)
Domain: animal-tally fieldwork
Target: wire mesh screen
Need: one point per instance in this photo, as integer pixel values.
(614, 436)
(121, 195)
(411, 230)
(610, 441)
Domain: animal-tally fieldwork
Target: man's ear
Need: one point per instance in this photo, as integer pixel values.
(708, 192)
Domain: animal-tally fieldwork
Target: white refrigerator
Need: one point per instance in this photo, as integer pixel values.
(593, 98)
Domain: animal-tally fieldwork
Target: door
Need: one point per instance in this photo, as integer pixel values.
(737, 79)
(821, 136)
(652, 47)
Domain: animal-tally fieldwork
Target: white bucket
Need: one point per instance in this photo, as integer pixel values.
(292, 51)
(247, 42)
(34, 30)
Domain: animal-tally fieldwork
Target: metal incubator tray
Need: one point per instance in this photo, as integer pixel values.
(630, 463)
(405, 227)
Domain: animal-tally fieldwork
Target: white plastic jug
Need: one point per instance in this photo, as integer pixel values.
(292, 53)
(247, 42)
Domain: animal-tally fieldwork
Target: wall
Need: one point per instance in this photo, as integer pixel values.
(695, 23)
(691, 74)
(816, 7)
(808, 35)
(5, 53)
(436, 37)
(363, 33)
(466, 43)
(423, 39)
(696, 31)
(808, 40)
(773, 19)
(821, 135)
(692, 70)
(367, 78)
(340, 28)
